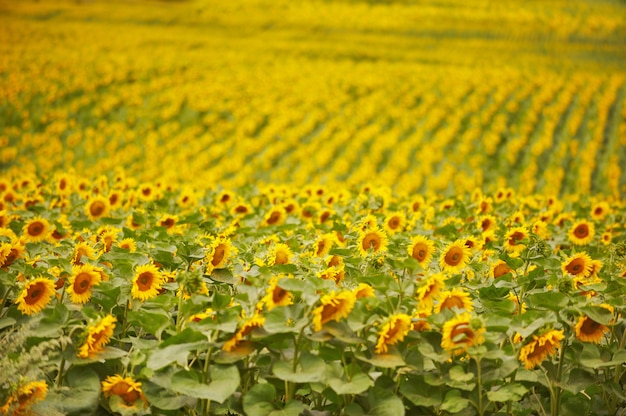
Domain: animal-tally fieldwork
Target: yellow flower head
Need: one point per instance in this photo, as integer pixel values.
(578, 265)
(280, 253)
(98, 336)
(513, 238)
(454, 257)
(364, 291)
(147, 282)
(455, 298)
(256, 321)
(428, 289)
(541, 347)
(276, 296)
(83, 278)
(35, 295)
(422, 250)
(372, 240)
(393, 331)
(334, 307)
(21, 400)
(126, 388)
(97, 207)
(581, 232)
(36, 230)
(459, 334)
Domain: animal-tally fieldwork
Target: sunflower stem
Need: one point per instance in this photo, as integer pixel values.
(479, 383)
(179, 320)
(4, 301)
(59, 379)
(559, 374)
(206, 378)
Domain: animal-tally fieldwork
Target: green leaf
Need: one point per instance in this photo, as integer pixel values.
(454, 403)
(508, 392)
(83, 393)
(457, 373)
(415, 389)
(285, 319)
(163, 398)
(548, 300)
(6, 322)
(598, 314)
(258, 400)
(382, 360)
(176, 349)
(153, 321)
(579, 380)
(310, 369)
(292, 408)
(337, 380)
(223, 276)
(224, 382)
(382, 403)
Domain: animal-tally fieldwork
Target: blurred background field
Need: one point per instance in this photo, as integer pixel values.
(421, 96)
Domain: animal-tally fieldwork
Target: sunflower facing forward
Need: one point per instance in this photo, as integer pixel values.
(83, 278)
(454, 257)
(373, 240)
(147, 282)
(581, 232)
(35, 295)
(422, 250)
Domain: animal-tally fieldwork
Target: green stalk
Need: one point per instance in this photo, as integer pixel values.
(559, 374)
(479, 381)
(206, 378)
(179, 321)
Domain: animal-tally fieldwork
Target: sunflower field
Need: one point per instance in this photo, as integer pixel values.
(319, 208)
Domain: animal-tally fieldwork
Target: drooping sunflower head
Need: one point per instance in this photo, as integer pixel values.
(588, 330)
(334, 306)
(147, 282)
(422, 250)
(97, 207)
(373, 240)
(578, 265)
(499, 269)
(126, 388)
(454, 257)
(363, 291)
(460, 333)
(428, 289)
(581, 232)
(97, 337)
(22, 399)
(393, 331)
(541, 347)
(36, 230)
(35, 295)
(323, 244)
(454, 299)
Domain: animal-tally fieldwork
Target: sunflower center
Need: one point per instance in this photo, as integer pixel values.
(281, 258)
(575, 266)
(320, 248)
(97, 208)
(219, 254)
(146, 191)
(394, 222)
(328, 313)
(278, 295)
(241, 209)
(168, 223)
(289, 208)
(420, 252)
(500, 270)
(144, 282)
(274, 218)
(590, 326)
(82, 283)
(35, 229)
(225, 198)
(462, 334)
(581, 231)
(306, 213)
(454, 256)
(334, 261)
(598, 211)
(325, 215)
(515, 237)
(371, 240)
(113, 199)
(34, 294)
(451, 302)
(62, 184)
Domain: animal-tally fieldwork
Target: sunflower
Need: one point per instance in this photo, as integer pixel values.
(219, 252)
(513, 240)
(98, 336)
(241, 209)
(128, 244)
(420, 322)
(97, 207)
(540, 229)
(126, 388)
(588, 330)
(36, 230)
(578, 265)
(82, 249)
(422, 250)
(372, 240)
(280, 253)
(334, 307)
(363, 291)
(455, 256)
(21, 400)
(394, 222)
(108, 237)
(11, 252)
(168, 222)
(600, 210)
(147, 282)
(607, 237)
(460, 333)
(323, 244)
(275, 216)
(115, 198)
(256, 321)
(200, 316)
(276, 295)
(428, 289)
(455, 298)
(499, 269)
(83, 278)
(541, 347)
(393, 331)
(581, 232)
(35, 295)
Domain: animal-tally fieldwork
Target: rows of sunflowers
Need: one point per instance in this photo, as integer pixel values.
(312, 208)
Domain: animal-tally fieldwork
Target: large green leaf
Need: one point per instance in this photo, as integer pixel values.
(224, 382)
(383, 403)
(81, 395)
(165, 399)
(258, 400)
(310, 368)
(454, 402)
(508, 392)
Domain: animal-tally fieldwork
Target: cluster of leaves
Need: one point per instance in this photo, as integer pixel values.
(152, 299)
